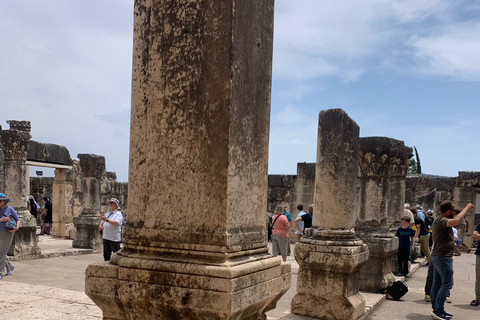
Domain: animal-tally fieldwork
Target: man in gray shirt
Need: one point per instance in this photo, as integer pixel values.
(442, 256)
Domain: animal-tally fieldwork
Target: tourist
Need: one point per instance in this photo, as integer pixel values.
(111, 228)
(48, 217)
(442, 256)
(289, 218)
(405, 236)
(280, 227)
(428, 223)
(420, 212)
(422, 234)
(306, 218)
(33, 206)
(301, 224)
(476, 236)
(269, 228)
(462, 229)
(6, 234)
(408, 213)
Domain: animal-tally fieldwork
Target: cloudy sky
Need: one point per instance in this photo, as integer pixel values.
(408, 70)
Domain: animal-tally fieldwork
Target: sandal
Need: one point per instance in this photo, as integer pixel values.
(475, 303)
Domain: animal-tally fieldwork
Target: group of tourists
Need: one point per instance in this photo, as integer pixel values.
(280, 224)
(446, 244)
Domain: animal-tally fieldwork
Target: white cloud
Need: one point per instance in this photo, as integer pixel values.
(346, 39)
(453, 53)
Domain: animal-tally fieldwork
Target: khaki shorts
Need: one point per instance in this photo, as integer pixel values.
(279, 245)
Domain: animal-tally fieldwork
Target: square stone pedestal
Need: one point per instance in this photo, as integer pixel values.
(376, 273)
(328, 278)
(161, 289)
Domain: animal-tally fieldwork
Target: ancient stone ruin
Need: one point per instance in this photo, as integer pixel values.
(198, 149)
(382, 168)
(330, 255)
(70, 190)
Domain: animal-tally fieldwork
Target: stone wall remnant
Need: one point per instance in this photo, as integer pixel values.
(198, 150)
(330, 255)
(382, 163)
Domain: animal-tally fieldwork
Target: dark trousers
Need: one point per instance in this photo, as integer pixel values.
(403, 257)
(109, 246)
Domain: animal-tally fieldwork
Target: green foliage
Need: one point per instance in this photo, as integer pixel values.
(419, 167)
(412, 166)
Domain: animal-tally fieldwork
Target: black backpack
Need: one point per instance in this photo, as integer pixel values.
(33, 208)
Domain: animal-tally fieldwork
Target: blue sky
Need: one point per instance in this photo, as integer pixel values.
(408, 70)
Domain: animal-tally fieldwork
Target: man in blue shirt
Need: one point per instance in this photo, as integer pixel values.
(301, 224)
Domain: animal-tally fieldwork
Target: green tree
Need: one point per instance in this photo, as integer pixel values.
(419, 167)
(412, 166)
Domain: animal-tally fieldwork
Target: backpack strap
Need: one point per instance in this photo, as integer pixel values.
(275, 220)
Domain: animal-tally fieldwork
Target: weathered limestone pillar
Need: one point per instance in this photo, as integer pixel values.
(14, 147)
(380, 161)
(195, 244)
(86, 224)
(60, 193)
(330, 255)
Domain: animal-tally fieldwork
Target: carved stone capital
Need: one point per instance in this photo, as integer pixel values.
(383, 157)
(15, 141)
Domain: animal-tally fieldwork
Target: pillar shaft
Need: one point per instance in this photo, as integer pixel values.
(198, 167)
(93, 169)
(330, 255)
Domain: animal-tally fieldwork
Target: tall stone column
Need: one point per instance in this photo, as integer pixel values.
(380, 162)
(14, 147)
(86, 224)
(195, 244)
(60, 195)
(330, 255)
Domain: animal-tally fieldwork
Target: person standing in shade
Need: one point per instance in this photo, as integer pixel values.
(111, 228)
(48, 217)
(442, 256)
(6, 234)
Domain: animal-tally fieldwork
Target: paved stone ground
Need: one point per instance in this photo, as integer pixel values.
(53, 288)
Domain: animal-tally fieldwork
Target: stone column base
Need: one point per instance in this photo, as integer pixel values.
(328, 277)
(25, 242)
(376, 273)
(87, 234)
(151, 288)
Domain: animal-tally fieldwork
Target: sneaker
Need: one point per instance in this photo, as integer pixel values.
(439, 315)
(447, 300)
(427, 298)
(9, 273)
(407, 276)
(400, 275)
(449, 315)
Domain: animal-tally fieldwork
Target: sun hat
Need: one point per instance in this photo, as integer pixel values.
(116, 202)
(4, 197)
